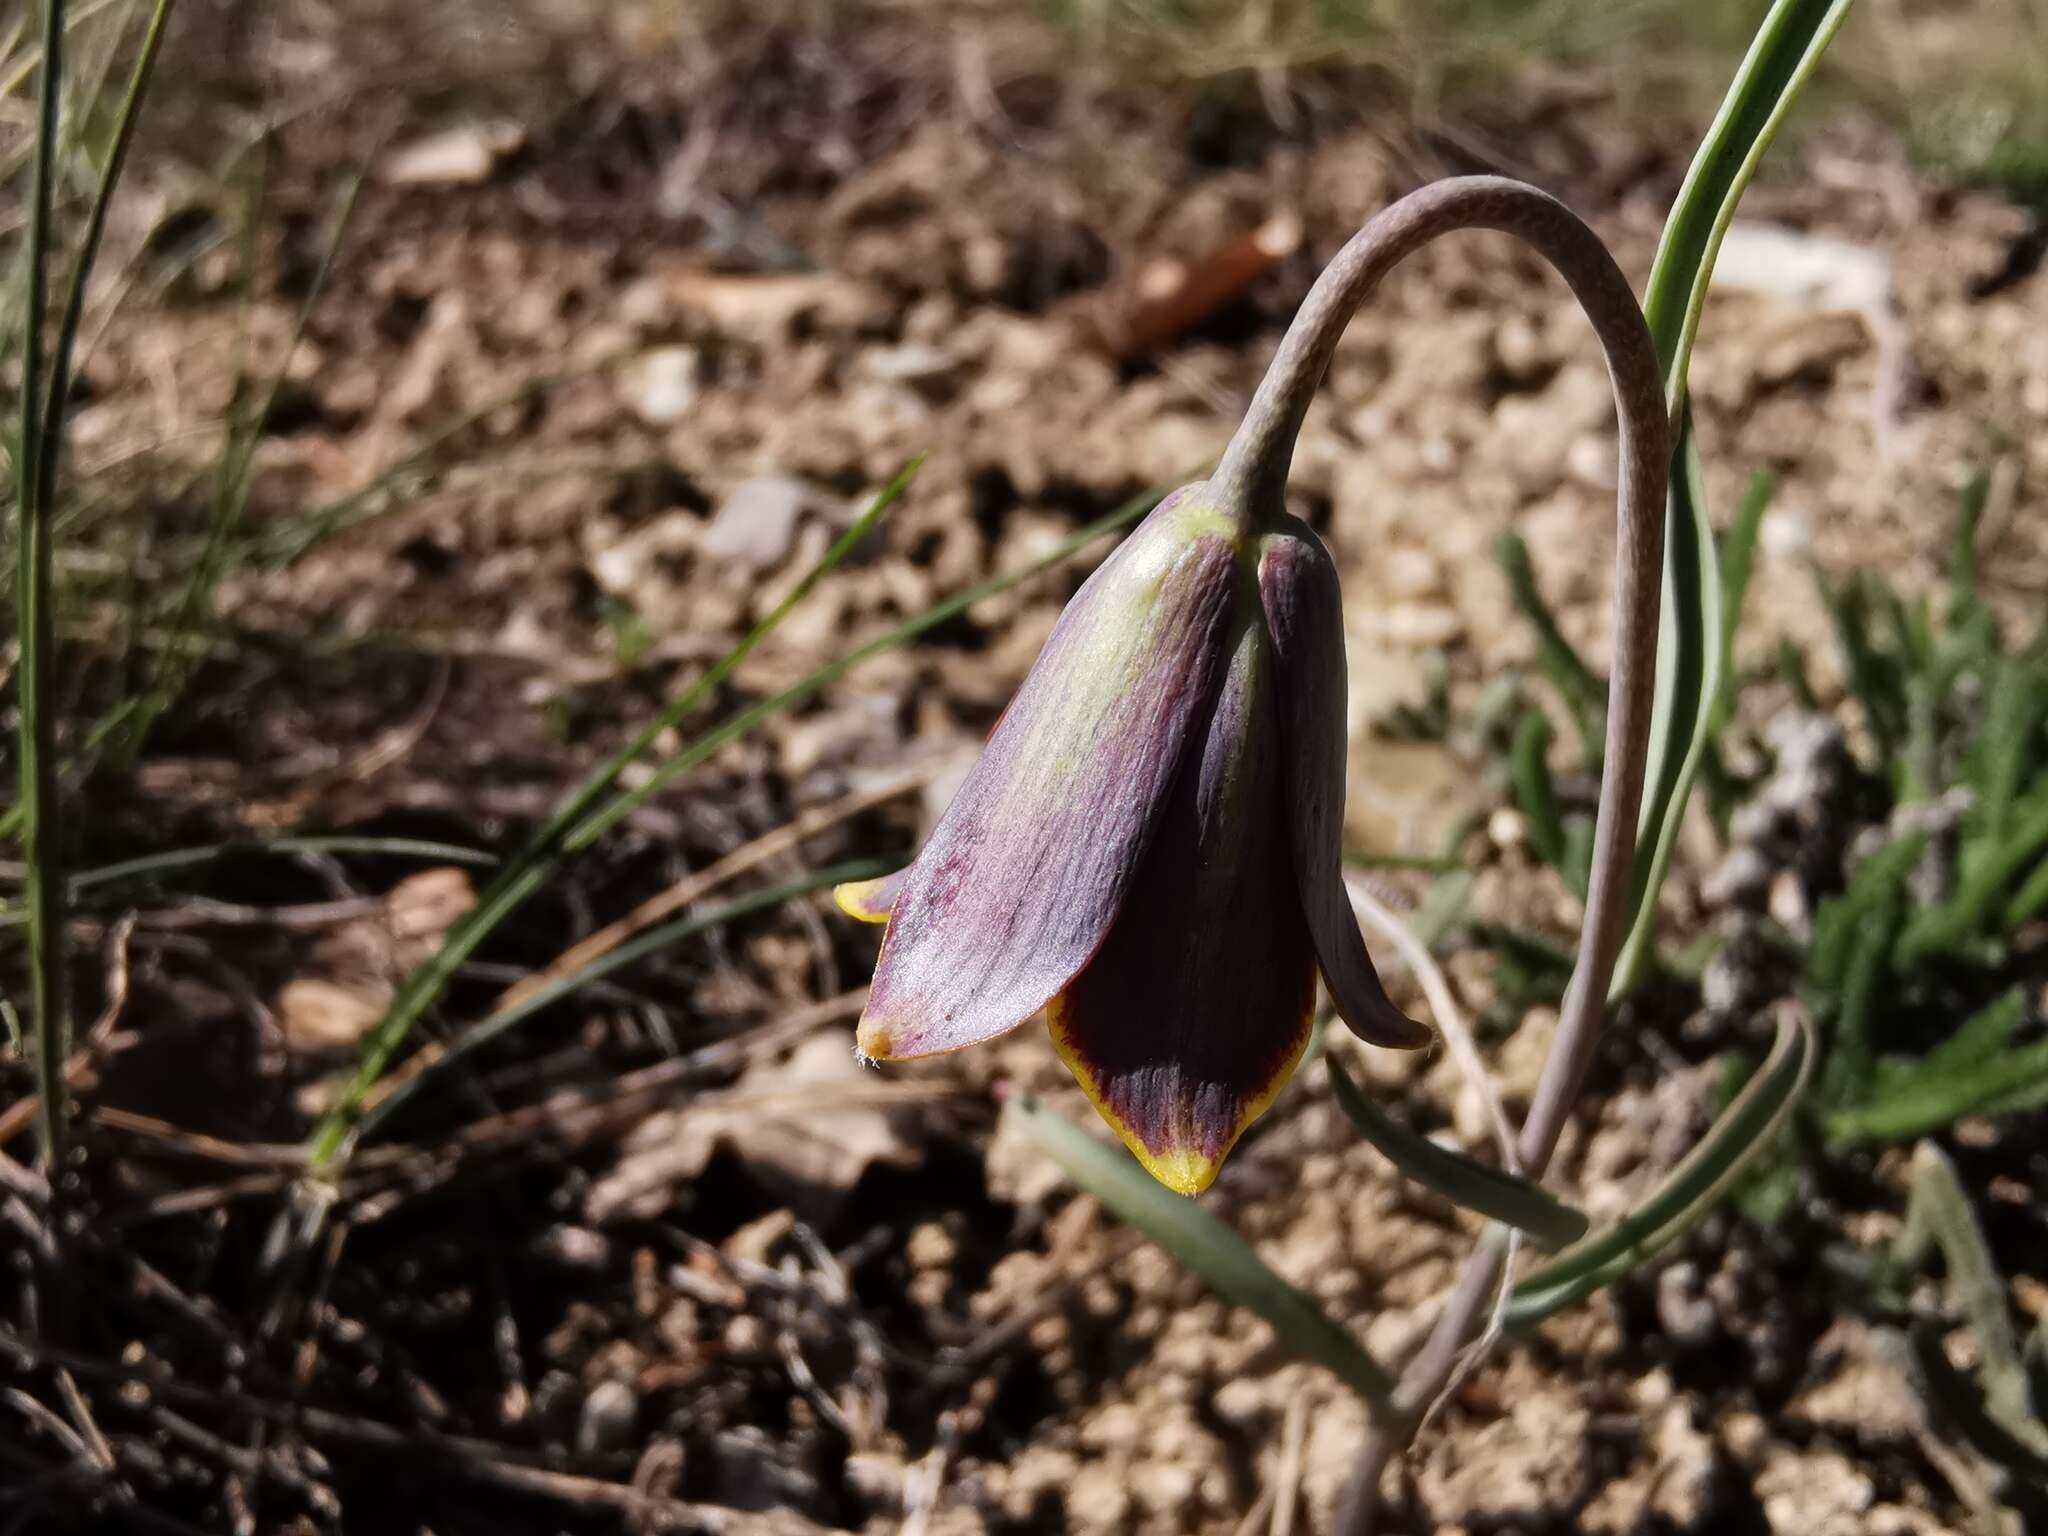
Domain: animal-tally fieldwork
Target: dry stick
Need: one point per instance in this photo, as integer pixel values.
(1255, 467)
(1293, 1451)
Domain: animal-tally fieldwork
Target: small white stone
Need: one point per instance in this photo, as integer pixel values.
(756, 526)
(1507, 828)
(459, 156)
(661, 385)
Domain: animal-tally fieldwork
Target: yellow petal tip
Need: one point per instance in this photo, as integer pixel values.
(864, 900)
(871, 1042)
(1182, 1171)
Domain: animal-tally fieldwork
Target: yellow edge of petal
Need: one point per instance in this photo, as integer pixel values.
(854, 899)
(1186, 1171)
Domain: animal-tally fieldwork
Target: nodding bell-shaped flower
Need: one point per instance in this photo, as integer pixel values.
(1148, 848)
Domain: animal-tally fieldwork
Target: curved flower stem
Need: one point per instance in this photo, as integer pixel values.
(1252, 477)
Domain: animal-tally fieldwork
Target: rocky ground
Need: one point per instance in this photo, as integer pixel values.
(684, 319)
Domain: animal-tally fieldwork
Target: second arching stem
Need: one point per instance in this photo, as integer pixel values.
(1251, 477)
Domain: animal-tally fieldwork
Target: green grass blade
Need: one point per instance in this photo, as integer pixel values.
(1852, 1058)
(1201, 1242)
(2007, 747)
(1535, 793)
(235, 482)
(1491, 1192)
(1786, 49)
(1964, 603)
(36, 749)
(1981, 1038)
(574, 823)
(281, 545)
(1959, 1404)
(1871, 890)
(2013, 1081)
(577, 824)
(89, 243)
(154, 865)
(1682, 714)
(1738, 562)
(1686, 1194)
(1781, 59)
(1951, 926)
(889, 640)
(1938, 1212)
(1584, 695)
(653, 941)
(2029, 901)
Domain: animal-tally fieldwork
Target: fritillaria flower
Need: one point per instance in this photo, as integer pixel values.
(1148, 848)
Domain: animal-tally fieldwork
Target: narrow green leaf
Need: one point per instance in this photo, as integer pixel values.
(278, 545)
(1211, 1250)
(87, 258)
(1964, 604)
(1998, 763)
(151, 866)
(1958, 1402)
(1577, 868)
(1738, 561)
(2029, 901)
(1949, 927)
(1526, 953)
(35, 627)
(652, 942)
(1852, 1058)
(1681, 714)
(1980, 1039)
(2007, 1084)
(1938, 1213)
(1584, 695)
(1782, 57)
(1447, 903)
(575, 823)
(1686, 1194)
(233, 485)
(902, 634)
(1875, 678)
(1874, 887)
(1536, 793)
(1490, 1191)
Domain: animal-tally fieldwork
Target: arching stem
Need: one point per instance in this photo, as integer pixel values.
(1252, 478)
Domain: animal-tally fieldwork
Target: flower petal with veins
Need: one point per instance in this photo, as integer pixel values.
(1305, 613)
(1028, 868)
(1193, 1014)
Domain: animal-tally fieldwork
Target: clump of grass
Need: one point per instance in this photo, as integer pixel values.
(46, 383)
(1913, 966)
(1915, 970)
